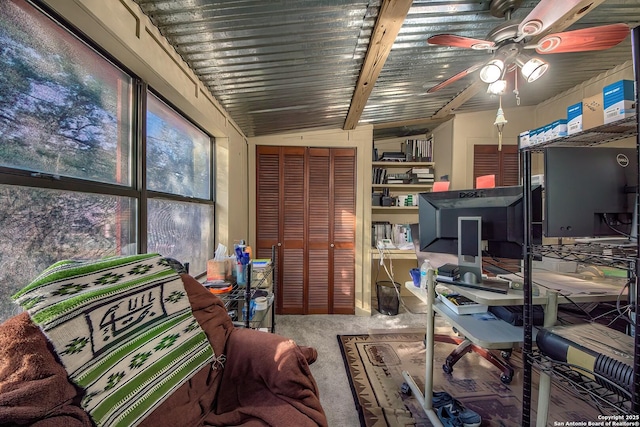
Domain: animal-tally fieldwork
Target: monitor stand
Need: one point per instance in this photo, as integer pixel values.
(470, 258)
(470, 249)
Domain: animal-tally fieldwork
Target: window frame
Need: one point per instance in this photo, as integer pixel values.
(137, 189)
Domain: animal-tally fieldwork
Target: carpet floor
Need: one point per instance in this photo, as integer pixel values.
(473, 378)
(374, 363)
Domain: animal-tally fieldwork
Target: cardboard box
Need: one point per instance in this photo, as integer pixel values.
(592, 112)
(216, 270)
(574, 118)
(537, 179)
(619, 101)
(547, 133)
(535, 136)
(523, 139)
(559, 129)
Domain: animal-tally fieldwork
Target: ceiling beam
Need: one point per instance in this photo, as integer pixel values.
(459, 99)
(414, 122)
(390, 19)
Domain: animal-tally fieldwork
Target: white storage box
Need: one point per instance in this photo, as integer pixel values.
(619, 101)
(574, 118)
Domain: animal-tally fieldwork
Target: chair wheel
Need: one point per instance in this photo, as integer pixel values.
(506, 379)
(447, 369)
(405, 389)
(505, 354)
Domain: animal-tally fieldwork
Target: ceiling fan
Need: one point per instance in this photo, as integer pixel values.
(509, 41)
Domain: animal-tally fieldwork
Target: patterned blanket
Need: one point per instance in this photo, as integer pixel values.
(123, 329)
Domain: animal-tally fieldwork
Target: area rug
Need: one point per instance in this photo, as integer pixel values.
(374, 364)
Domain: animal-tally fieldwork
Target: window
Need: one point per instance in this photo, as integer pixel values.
(67, 141)
(178, 153)
(64, 110)
(179, 164)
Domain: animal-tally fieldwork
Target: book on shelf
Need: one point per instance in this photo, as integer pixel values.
(423, 180)
(398, 234)
(378, 175)
(380, 230)
(392, 156)
(418, 149)
(422, 170)
(460, 304)
(399, 176)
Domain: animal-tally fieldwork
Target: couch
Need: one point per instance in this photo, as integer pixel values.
(251, 378)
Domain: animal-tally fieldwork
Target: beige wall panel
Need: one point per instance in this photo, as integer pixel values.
(478, 128)
(556, 107)
(443, 149)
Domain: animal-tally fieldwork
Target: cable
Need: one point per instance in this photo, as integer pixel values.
(517, 273)
(391, 277)
(606, 221)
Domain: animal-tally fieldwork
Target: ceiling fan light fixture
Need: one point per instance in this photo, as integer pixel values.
(532, 68)
(497, 88)
(492, 71)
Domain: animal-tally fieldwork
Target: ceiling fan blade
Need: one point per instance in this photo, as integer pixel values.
(547, 12)
(586, 39)
(455, 78)
(452, 40)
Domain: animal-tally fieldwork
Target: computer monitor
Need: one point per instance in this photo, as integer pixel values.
(589, 191)
(501, 210)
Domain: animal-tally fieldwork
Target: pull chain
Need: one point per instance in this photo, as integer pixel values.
(515, 90)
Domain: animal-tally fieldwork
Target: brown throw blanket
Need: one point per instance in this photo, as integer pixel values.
(265, 380)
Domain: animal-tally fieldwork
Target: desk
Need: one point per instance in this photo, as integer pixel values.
(502, 335)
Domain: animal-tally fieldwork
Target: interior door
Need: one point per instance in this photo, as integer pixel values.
(504, 164)
(343, 227)
(292, 239)
(280, 207)
(306, 207)
(319, 232)
(331, 231)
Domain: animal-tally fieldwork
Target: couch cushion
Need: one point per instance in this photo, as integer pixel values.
(123, 329)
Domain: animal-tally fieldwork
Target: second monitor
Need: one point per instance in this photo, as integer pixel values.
(501, 210)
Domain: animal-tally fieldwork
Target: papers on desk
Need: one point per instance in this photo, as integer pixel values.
(564, 284)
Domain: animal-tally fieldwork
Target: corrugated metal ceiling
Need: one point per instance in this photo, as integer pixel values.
(279, 66)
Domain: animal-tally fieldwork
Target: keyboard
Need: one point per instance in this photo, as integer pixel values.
(494, 269)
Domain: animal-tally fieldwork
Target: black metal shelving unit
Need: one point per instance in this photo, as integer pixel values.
(240, 297)
(608, 399)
